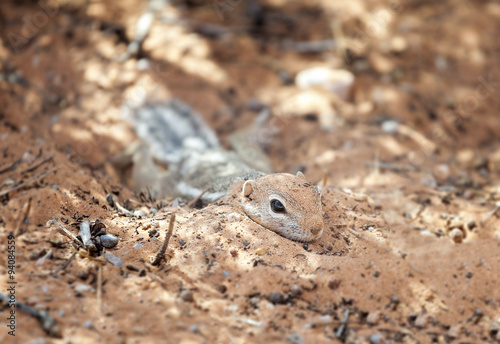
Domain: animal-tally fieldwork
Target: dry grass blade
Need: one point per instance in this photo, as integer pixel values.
(193, 202)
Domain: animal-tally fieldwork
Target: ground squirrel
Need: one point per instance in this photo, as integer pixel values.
(174, 134)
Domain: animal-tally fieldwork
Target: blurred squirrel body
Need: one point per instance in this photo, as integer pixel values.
(173, 134)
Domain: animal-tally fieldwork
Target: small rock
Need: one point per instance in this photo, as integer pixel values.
(295, 338)
(380, 63)
(82, 288)
(37, 254)
(88, 324)
(377, 339)
(276, 298)
(471, 225)
(108, 240)
(325, 319)
(422, 320)
(296, 290)
(454, 331)
(38, 341)
(221, 288)
(234, 217)
(334, 284)
(398, 44)
(390, 127)
(457, 235)
(285, 77)
(255, 105)
(337, 81)
(261, 251)
(373, 318)
(138, 246)
(254, 301)
(143, 64)
(187, 295)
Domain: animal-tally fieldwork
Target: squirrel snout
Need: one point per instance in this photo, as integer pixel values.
(316, 227)
(315, 231)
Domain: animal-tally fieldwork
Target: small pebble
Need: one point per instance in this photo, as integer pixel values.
(221, 288)
(390, 127)
(338, 81)
(377, 339)
(422, 320)
(276, 298)
(109, 240)
(81, 288)
(88, 324)
(334, 284)
(255, 105)
(37, 254)
(295, 338)
(296, 290)
(457, 235)
(261, 251)
(373, 318)
(187, 295)
(138, 246)
(234, 217)
(471, 225)
(38, 341)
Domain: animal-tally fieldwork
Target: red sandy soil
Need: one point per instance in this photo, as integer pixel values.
(391, 266)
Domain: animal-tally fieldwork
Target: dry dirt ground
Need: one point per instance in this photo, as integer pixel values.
(411, 248)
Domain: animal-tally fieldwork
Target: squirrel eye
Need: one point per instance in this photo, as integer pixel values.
(277, 206)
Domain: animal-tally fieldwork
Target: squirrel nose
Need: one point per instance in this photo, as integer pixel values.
(315, 231)
(317, 227)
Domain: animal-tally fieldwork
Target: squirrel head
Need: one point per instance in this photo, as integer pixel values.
(286, 204)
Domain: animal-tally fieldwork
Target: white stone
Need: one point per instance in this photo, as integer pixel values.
(338, 81)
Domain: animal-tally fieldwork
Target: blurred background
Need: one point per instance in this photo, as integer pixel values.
(395, 101)
(402, 82)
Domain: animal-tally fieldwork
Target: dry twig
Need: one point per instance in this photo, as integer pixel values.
(49, 325)
(22, 216)
(161, 254)
(65, 232)
(99, 288)
(491, 213)
(31, 181)
(193, 202)
(34, 167)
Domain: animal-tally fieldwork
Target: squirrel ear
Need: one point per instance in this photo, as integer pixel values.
(301, 175)
(248, 188)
